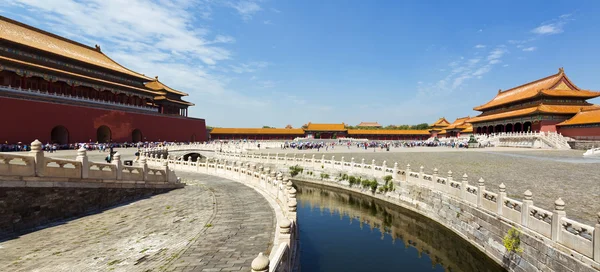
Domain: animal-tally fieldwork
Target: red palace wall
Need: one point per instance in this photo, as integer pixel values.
(589, 133)
(24, 121)
(546, 126)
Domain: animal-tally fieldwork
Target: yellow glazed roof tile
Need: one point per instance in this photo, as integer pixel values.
(36, 38)
(258, 131)
(590, 116)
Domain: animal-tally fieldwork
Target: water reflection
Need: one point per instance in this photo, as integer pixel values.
(343, 231)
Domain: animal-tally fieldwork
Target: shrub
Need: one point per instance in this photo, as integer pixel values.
(351, 180)
(387, 179)
(295, 170)
(512, 241)
(373, 184)
(324, 176)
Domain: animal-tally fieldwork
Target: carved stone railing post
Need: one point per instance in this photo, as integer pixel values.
(38, 156)
(260, 263)
(383, 168)
(501, 196)
(332, 164)
(144, 165)
(464, 186)
(395, 173)
(407, 174)
(557, 215)
(434, 177)
(597, 240)
(323, 161)
(373, 167)
(85, 166)
(342, 164)
(362, 166)
(285, 226)
(527, 202)
(449, 182)
(480, 189)
(313, 162)
(118, 165)
(166, 167)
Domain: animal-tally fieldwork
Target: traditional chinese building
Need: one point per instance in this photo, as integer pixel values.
(439, 127)
(58, 90)
(256, 133)
(325, 131)
(585, 125)
(461, 126)
(536, 106)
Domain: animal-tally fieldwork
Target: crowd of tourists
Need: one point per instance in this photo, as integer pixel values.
(90, 146)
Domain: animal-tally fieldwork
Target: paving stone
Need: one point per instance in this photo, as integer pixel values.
(168, 232)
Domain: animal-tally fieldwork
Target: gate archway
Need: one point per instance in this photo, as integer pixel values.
(103, 134)
(136, 136)
(59, 135)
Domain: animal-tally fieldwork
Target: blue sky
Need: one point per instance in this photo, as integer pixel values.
(251, 63)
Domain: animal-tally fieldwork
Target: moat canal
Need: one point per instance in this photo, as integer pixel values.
(346, 231)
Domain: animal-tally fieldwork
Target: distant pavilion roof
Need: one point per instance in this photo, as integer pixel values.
(460, 124)
(442, 122)
(369, 124)
(583, 117)
(555, 85)
(326, 127)
(158, 98)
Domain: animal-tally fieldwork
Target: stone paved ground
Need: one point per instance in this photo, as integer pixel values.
(212, 224)
(548, 174)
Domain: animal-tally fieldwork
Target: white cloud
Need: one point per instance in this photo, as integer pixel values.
(245, 8)
(552, 27)
(529, 49)
(267, 22)
(248, 67)
(480, 30)
(496, 54)
(275, 10)
(495, 61)
(505, 65)
(479, 46)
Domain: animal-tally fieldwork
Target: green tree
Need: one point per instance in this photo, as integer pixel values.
(267, 127)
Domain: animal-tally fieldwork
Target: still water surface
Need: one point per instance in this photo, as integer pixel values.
(345, 231)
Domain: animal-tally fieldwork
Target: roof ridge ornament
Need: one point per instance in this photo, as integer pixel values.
(155, 78)
(98, 48)
(499, 91)
(561, 70)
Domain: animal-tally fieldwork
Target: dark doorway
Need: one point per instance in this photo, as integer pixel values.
(527, 126)
(136, 136)
(193, 138)
(59, 135)
(103, 134)
(509, 128)
(518, 127)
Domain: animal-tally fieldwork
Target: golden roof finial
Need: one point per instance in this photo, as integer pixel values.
(561, 70)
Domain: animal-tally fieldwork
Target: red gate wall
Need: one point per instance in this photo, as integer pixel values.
(25, 121)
